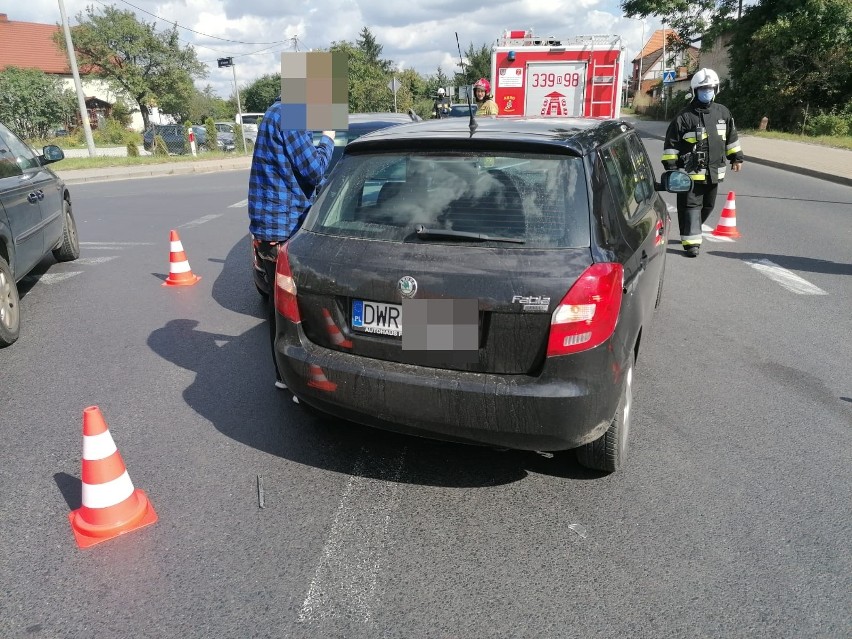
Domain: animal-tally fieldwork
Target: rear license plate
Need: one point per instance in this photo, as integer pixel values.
(377, 317)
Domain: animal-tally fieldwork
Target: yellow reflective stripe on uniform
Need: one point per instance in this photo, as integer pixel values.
(733, 147)
(720, 172)
(690, 240)
(670, 156)
(690, 137)
(698, 177)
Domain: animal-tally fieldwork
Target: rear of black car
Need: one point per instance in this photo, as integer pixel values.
(487, 253)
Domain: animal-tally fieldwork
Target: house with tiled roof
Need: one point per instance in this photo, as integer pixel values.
(648, 67)
(30, 45)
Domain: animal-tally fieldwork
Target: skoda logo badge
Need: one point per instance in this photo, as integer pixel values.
(407, 286)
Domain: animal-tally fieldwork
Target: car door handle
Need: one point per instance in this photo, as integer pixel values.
(32, 198)
(40, 194)
(643, 263)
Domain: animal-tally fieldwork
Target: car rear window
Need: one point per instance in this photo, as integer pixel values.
(515, 200)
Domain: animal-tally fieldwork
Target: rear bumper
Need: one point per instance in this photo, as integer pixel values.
(571, 402)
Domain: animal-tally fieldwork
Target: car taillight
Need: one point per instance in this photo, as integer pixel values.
(285, 287)
(587, 315)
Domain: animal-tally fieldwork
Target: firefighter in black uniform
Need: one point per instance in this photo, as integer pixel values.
(700, 139)
(441, 109)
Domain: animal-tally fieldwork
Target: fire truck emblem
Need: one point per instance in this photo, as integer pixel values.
(554, 104)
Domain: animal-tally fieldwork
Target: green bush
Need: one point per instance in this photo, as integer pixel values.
(831, 123)
(132, 150)
(160, 147)
(113, 133)
(210, 127)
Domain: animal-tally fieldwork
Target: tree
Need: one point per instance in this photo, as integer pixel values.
(136, 60)
(477, 65)
(32, 103)
(368, 81)
(789, 57)
(691, 20)
(261, 93)
(206, 103)
(372, 50)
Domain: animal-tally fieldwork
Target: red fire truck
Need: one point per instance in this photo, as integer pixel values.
(539, 76)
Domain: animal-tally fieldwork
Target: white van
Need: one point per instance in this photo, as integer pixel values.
(249, 122)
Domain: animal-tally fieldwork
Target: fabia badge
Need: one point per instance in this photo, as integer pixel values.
(407, 286)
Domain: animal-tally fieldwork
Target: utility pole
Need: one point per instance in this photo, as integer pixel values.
(81, 99)
(229, 62)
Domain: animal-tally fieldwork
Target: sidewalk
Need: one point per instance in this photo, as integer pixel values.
(825, 163)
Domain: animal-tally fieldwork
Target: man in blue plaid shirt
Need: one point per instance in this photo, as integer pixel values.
(285, 170)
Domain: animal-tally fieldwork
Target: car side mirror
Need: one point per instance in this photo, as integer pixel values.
(675, 182)
(51, 153)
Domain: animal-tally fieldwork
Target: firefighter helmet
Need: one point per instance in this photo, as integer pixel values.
(704, 78)
(482, 83)
(441, 91)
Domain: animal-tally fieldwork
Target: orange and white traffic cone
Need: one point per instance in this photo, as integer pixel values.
(111, 506)
(179, 272)
(727, 226)
(334, 332)
(318, 379)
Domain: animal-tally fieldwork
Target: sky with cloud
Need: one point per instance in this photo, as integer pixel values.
(414, 35)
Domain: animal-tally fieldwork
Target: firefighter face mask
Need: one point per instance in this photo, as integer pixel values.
(705, 96)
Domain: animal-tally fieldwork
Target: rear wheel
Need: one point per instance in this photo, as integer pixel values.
(10, 314)
(70, 248)
(608, 452)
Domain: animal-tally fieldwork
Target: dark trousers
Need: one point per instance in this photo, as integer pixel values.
(693, 209)
(268, 254)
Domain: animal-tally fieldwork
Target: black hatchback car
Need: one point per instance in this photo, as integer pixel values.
(488, 287)
(35, 220)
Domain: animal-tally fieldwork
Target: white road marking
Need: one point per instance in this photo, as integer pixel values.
(708, 235)
(785, 278)
(240, 204)
(200, 220)
(51, 278)
(95, 260)
(344, 585)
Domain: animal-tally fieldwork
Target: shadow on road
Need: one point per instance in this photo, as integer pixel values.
(792, 262)
(233, 389)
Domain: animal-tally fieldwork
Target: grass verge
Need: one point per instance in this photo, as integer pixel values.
(70, 164)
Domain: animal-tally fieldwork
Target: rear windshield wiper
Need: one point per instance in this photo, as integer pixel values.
(426, 233)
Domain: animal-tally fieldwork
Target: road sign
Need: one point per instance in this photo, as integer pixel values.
(225, 62)
(394, 85)
(668, 76)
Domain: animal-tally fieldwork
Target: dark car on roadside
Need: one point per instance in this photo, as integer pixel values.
(175, 138)
(35, 221)
(462, 110)
(359, 124)
(489, 287)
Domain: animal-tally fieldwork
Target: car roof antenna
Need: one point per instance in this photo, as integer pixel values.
(473, 124)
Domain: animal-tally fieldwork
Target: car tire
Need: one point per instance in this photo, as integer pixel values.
(70, 248)
(262, 293)
(10, 313)
(607, 453)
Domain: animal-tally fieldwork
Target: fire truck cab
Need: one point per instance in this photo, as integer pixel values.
(551, 77)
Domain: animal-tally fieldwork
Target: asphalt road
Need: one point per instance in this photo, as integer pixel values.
(728, 520)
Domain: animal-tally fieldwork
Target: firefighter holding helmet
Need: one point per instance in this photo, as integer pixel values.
(700, 139)
(485, 104)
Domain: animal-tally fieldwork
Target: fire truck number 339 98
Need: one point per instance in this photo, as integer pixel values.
(553, 80)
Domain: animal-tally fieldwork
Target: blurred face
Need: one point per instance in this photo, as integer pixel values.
(479, 92)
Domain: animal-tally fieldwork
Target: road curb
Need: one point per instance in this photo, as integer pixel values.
(160, 170)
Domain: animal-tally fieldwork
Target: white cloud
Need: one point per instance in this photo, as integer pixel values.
(418, 36)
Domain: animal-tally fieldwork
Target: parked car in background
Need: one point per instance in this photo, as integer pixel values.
(249, 122)
(462, 110)
(225, 136)
(359, 124)
(35, 220)
(175, 137)
(488, 288)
